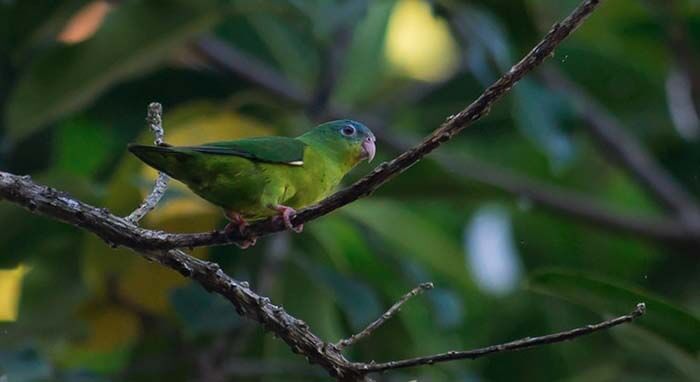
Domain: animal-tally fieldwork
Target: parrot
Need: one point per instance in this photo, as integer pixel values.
(255, 178)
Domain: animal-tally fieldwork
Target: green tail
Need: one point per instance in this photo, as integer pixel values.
(169, 160)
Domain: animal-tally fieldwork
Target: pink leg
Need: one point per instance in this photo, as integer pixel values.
(237, 221)
(247, 243)
(286, 213)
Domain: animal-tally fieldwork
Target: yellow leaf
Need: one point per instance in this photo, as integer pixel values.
(419, 44)
(10, 290)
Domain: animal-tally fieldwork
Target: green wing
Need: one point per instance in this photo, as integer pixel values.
(263, 149)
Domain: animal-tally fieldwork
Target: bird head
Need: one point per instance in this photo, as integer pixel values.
(349, 140)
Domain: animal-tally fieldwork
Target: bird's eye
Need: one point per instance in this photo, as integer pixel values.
(348, 131)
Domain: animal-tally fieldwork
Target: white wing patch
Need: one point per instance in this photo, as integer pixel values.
(296, 163)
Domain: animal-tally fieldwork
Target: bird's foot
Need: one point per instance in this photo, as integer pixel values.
(286, 213)
(237, 222)
(247, 242)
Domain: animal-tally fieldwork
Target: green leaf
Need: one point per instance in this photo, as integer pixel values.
(415, 236)
(344, 244)
(289, 46)
(299, 293)
(364, 62)
(136, 37)
(359, 302)
(675, 325)
(83, 146)
(637, 338)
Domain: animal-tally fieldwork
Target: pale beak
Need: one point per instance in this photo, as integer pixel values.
(368, 148)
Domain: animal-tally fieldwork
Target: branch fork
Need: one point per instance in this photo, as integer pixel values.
(164, 248)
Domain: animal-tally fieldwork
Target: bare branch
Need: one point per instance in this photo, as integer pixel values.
(162, 247)
(384, 317)
(520, 344)
(154, 118)
(293, 331)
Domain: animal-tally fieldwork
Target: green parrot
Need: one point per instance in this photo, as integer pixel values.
(259, 177)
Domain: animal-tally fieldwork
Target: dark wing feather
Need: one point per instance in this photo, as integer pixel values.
(281, 150)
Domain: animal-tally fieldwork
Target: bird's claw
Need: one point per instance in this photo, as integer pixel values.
(297, 229)
(286, 213)
(236, 221)
(247, 243)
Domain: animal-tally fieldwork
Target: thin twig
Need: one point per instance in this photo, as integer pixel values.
(520, 344)
(391, 312)
(154, 118)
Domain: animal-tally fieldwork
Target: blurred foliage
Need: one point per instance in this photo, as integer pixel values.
(75, 79)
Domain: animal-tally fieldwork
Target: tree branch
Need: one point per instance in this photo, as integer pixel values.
(520, 344)
(293, 331)
(384, 317)
(162, 247)
(154, 118)
(249, 304)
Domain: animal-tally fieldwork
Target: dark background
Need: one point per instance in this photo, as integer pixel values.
(75, 80)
